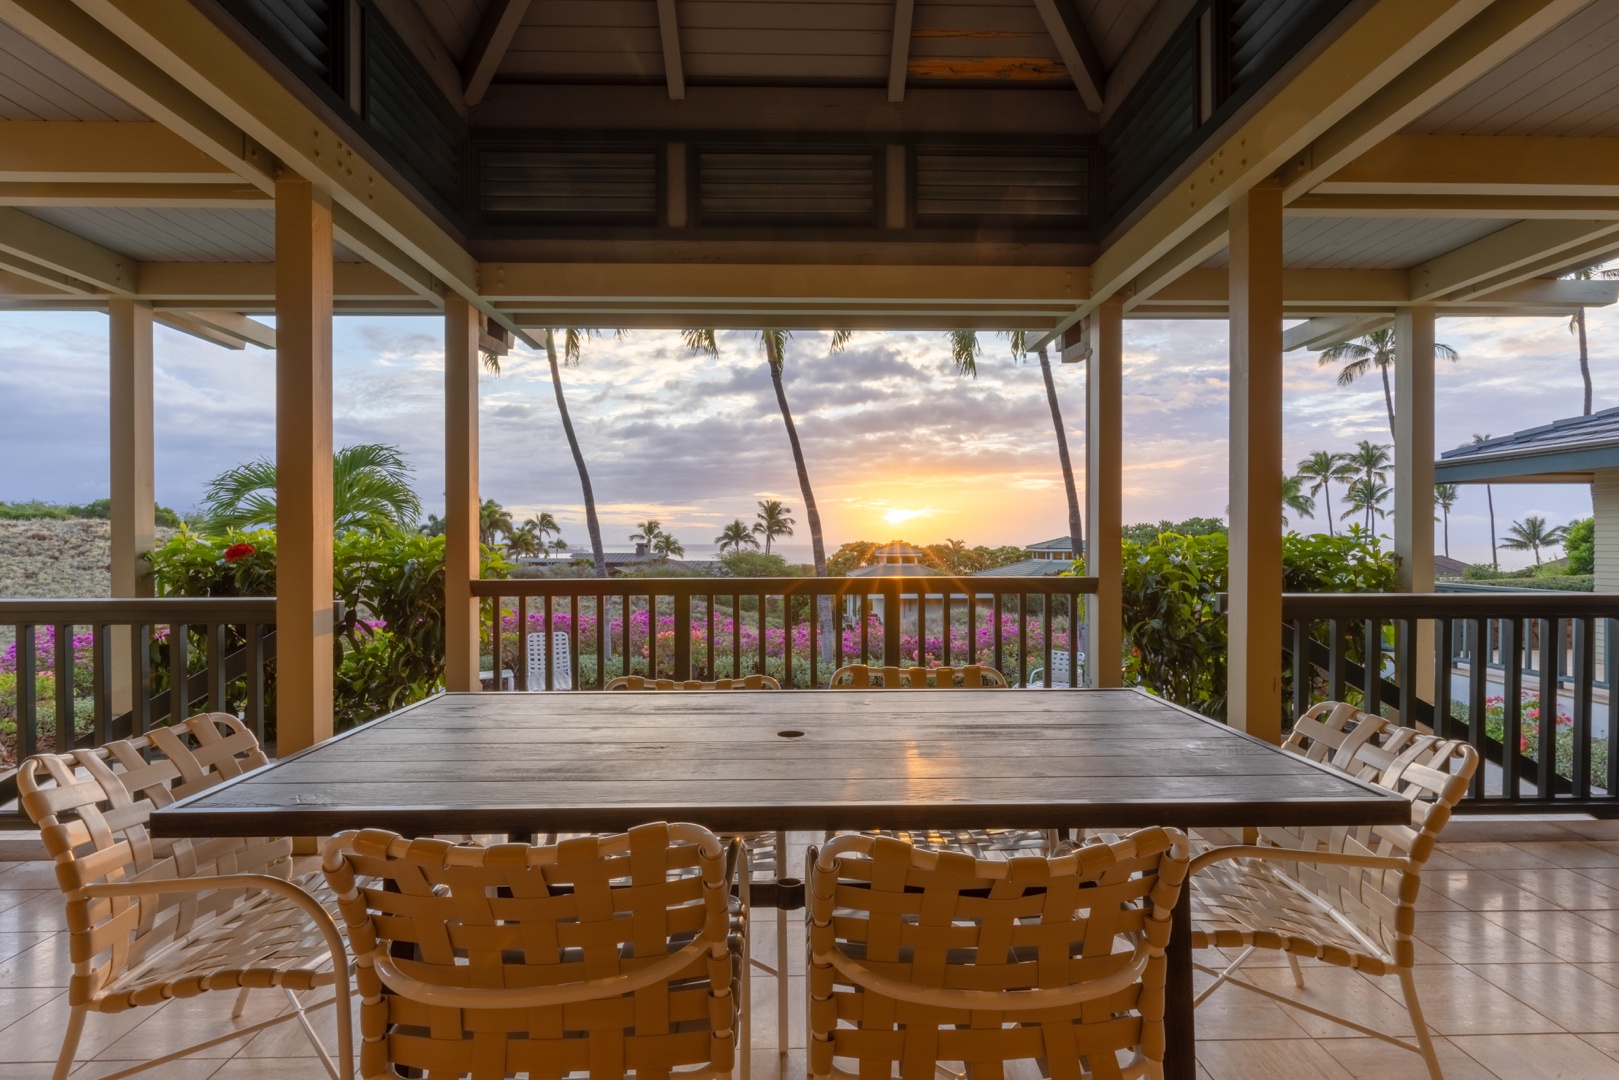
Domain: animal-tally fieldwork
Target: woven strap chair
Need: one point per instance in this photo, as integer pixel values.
(860, 676)
(920, 957)
(1344, 896)
(153, 920)
(605, 955)
(747, 682)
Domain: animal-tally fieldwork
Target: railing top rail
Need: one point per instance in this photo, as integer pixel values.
(85, 610)
(1529, 604)
(782, 586)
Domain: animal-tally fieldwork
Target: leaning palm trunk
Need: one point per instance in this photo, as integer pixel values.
(1585, 358)
(591, 524)
(1076, 525)
(823, 604)
(1388, 399)
(1495, 557)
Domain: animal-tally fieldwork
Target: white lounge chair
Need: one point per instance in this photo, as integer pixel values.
(561, 661)
(1062, 670)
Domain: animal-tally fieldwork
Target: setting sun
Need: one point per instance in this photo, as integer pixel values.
(899, 517)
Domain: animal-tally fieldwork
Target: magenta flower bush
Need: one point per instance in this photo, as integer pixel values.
(45, 646)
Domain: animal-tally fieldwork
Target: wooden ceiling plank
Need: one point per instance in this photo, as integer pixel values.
(1078, 51)
(674, 69)
(495, 33)
(899, 49)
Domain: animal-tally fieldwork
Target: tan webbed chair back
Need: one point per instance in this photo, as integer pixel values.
(746, 682)
(1376, 903)
(612, 955)
(92, 808)
(918, 957)
(860, 677)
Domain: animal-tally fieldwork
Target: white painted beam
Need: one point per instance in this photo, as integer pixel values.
(899, 50)
(32, 238)
(1481, 165)
(235, 325)
(674, 68)
(494, 36)
(185, 324)
(1078, 52)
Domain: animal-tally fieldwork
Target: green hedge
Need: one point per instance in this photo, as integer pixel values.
(1561, 583)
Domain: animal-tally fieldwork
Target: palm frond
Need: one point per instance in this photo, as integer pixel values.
(964, 351)
(701, 341)
(840, 339)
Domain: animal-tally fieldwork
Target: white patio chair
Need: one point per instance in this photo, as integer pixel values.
(1342, 896)
(923, 957)
(1062, 671)
(599, 956)
(154, 920)
(561, 661)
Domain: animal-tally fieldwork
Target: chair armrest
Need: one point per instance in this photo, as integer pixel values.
(267, 882)
(1278, 854)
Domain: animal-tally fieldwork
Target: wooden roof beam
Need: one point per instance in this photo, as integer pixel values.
(1490, 34)
(200, 330)
(66, 253)
(674, 69)
(1482, 165)
(1324, 331)
(899, 49)
(1508, 256)
(1076, 48)
(234, 324)
(213, 196)
(107, 152)
(1476, 207)
(494, 36)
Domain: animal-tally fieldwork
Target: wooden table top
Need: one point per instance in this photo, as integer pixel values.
(594, 761)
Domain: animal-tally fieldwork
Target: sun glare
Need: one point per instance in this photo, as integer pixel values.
(900, 517)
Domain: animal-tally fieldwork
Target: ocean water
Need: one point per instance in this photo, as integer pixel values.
(793, 553)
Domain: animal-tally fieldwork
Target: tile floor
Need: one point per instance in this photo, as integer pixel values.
(1519, 972)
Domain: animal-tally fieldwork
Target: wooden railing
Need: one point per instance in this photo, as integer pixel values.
(1494, 664)
(180, 656)
(796, 629)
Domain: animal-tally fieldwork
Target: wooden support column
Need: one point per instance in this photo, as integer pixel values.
(134, 529)
(460, 494)
(1104, 492)
(303, 454)
(1413, 472)
(1254, 659)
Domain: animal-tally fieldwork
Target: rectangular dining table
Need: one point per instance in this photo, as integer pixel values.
(811, 760)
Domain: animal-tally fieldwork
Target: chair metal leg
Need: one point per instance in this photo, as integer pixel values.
(241, 1004)
(1298, 972)
(1408, 987)
(70, 1042)
(314, 1037)
(783, 961)
(1221, 977)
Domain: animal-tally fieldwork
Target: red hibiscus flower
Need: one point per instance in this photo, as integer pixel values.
(239, 551)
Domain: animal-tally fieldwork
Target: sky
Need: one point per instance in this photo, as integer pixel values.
(898, 445)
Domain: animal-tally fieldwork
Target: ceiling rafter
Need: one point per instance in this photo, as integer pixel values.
(1078, 51)
(1479, 165)
(495, 32)
(186, 324)
(57, 249)
(899, 49)
(674, 69)
(234, 324)
(1524, 248)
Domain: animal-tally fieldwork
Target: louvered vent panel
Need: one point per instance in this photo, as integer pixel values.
(1264, 33)
(615, 185)
(301, 31)
(1035, 187)
(786, 187)
(1155, 126)
(407, 114)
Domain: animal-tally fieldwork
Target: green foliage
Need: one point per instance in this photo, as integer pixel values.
(756, 564)
(1174, 629)
(370, 490)
(1579, 544)
(100, 509)
(390, 640)
(1527, 579)
(851, 556)
(1145, 532)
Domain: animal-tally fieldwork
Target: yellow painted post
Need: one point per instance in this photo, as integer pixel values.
(1254, 659)
(303, 450)
(133, 526)
(1413, 472)
(1104, 488)
(460, 494)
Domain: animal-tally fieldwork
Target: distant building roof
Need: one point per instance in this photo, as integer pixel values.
(897, 553)
(1027, 568)
(1061, 543)
(1564, 451)
(1445, 566)
(894, 569)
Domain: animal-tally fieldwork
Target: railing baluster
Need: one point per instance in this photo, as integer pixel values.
(837, 631)
(575, 642)
(625, 607)
(972, 625)
(1047, 628)
(865, 624)
(214, 641)
(814, 640)
(1444, 724)
(1337, 672)
(787, 640)
(179, 666)
(944, 612)
(736, 637)
(27, 694)
(1372, 671)
(101, 682)
(1580, 671)
(1511, 708)
(1406, 667)
(1546, 736)
(1000, 657)
(682, 657)
(708, 638)
(547, 654)
(1478, 685)
(762, 669)
(602, 638)
(65, 728)
(1022, 640)
(1301, 667)
(520, 676)
(891, 624)
(254, 646)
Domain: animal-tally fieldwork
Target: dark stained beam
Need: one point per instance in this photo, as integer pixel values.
(899, 51)
(673, 69)
(495, 32)
(1077, 50)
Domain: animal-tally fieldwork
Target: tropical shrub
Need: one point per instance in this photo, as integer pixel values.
(1579, 545)
(1529, 738)
(755, 564)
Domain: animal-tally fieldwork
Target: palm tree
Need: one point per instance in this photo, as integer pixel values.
(647, 532)
(525, 540)
(1295, 499)
(370, 490)
(1489, 496)
(1444, 496)
(1531, 534)
(1366, 497)
(433, 526)
(964, 350)
(1319, 470)
(1369, 461)
(1576, 325)
(667, 546)
(493, 520)
(1374, 349)
(734, 536)
(773, 521)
